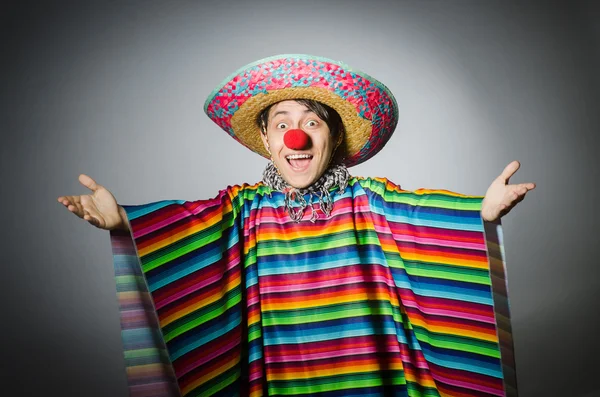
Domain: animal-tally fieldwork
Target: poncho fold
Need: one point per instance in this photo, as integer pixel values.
(396, 293)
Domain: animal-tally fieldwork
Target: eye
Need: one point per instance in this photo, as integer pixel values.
(281, 126)
(312, 123)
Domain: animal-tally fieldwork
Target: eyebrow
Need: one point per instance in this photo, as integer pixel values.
(284, 112)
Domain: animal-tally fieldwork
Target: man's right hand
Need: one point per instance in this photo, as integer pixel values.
(99, 208)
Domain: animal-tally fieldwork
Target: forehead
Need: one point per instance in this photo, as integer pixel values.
(290, 107)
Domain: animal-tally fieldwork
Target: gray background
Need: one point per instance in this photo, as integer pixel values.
(116, 89)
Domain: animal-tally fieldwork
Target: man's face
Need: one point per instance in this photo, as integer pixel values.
(298, 172)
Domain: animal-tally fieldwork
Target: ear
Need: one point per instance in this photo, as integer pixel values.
(340, 137)
(265, 139)
(335, 156)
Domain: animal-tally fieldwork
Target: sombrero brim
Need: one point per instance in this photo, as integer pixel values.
(367, 108)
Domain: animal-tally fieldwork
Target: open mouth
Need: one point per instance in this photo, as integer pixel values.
(299, 162)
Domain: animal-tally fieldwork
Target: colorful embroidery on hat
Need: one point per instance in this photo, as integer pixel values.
(371, 99)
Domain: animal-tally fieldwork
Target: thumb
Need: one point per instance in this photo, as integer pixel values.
(509, 171)
(89, 182)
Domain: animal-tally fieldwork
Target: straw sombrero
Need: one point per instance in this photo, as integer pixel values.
(368, 109)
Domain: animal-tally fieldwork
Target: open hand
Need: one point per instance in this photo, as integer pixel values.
(99, 208)
(501, 197)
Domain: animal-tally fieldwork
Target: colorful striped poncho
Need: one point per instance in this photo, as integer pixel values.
(396, 293)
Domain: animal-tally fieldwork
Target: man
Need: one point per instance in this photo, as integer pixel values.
(311, 282)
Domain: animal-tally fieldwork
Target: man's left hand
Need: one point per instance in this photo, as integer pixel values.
(501, 197)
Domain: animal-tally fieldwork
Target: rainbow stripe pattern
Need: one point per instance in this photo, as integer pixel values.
(397, 293)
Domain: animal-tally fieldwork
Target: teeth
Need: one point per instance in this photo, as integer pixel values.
(298, 156)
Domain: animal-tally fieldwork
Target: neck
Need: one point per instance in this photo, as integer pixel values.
(319, 192)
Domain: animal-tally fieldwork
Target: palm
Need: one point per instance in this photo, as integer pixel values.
(501, 197)
(99, 208)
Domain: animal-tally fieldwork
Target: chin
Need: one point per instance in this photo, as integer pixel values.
(299, 181)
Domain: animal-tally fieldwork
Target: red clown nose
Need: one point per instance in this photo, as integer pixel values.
(295, 139)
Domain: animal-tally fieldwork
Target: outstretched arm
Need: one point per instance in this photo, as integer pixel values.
(501, 197)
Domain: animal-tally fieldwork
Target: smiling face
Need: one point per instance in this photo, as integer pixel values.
(302, 166)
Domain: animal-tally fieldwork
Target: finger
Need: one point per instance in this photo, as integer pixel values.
(92, 213)
(73, 208)
(76, 208)
(509, 171)
(528, 186)
(79, 209)
(521, 188)
(88, 182)
(66, 200)
(515, 195)
(70, 200)
(92, 220)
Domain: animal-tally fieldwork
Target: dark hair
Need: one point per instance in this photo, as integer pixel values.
(325, 113)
